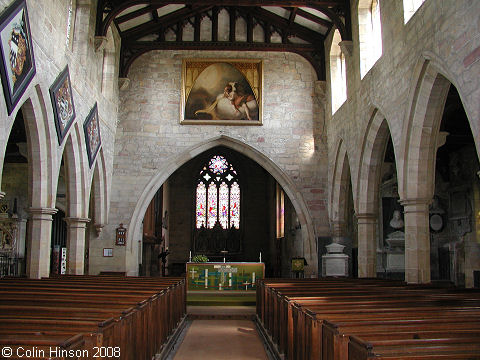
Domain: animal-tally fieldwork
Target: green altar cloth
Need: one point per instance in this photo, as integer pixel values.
(223, 276)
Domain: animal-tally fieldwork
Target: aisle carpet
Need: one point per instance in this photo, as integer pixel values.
(221, 339)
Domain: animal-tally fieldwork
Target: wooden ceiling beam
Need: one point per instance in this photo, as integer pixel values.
(345, 31)
(315, 19)
(295, 29)
(133, 50)
(293, 14)
(107, 11)
(288, 3)
(164, 21)
(136, 13)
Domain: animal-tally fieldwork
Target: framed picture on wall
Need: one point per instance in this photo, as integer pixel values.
(17, 62)
(62, 102)
(91, 128)
(222, 91)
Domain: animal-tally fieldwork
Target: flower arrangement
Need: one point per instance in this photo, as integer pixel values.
(199, 258)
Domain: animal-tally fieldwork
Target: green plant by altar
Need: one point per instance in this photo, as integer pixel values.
(200, 258)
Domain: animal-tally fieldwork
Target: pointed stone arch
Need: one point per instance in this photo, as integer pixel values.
(417, 176)
(371, 158)
(341, 203)
(40, 156)
(98, 185)
(76, 209)
(340, 177)
(307, 228)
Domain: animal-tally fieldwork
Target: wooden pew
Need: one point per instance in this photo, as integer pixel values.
(289, 309)
(408, 349)
(143, 311)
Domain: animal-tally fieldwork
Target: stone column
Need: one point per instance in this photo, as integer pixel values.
(39, 238)
(367, 245)
(76, 244)
(417, 240)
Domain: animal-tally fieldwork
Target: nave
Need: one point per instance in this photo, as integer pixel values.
(88, 317)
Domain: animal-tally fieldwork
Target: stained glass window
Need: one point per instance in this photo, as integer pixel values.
(212, 205)
(218, 164)
(235, 206)
(201, 205)
(223, 205)
(219, 201)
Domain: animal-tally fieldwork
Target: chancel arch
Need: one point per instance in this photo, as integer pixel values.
(296, 198)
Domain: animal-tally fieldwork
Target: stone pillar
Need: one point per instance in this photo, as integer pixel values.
(417, 240)
(39, 238)
(367, 245)
(76, 244)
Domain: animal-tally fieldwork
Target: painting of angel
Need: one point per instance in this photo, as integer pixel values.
(222, 92)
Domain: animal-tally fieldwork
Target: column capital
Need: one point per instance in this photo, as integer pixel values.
(2, 194)
(366, 218)
(76, 221)
(415, 205)
(100, 42)
(41, 213)
(123, 83)
(347, 47)
(320, 90)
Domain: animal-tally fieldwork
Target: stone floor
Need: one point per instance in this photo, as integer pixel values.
(219, 332)
(221, 339)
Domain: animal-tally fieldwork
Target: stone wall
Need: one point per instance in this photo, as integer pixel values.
(149, 134)
(92, 83)
(441, 41)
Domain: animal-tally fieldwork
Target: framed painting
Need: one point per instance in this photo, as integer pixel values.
(17, 66)
(222, 91)
(62, 102)
(92, 134)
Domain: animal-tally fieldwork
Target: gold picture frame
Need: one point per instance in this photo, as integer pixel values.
(222, 91)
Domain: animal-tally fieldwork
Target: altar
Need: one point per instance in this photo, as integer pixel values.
(223, 275)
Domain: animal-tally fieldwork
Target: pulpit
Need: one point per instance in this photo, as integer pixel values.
(223, 275)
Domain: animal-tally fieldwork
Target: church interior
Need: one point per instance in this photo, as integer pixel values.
(334, 142)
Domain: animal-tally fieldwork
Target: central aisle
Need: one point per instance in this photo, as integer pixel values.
(221, 339)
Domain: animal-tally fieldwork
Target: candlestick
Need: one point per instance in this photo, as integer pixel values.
(190, 257)
(260, 256)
